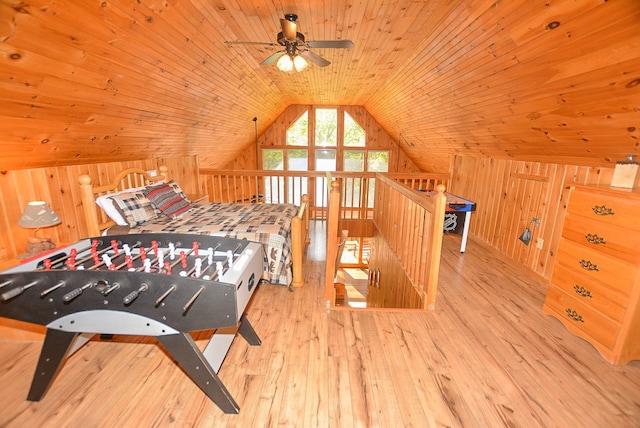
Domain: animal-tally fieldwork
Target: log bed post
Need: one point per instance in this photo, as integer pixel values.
(88, 208)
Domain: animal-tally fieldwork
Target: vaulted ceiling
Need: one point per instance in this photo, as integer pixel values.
(555, 81)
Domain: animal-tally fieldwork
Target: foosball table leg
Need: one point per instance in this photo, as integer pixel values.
(186, 352)
(57, 345)
(246, 330)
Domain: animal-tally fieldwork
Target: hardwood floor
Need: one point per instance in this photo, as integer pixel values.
(486, 357)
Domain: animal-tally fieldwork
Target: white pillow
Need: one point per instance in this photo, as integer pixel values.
(106, 203)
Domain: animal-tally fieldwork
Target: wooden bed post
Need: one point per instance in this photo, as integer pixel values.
(296, 249)
(435, 249)
(89, 209)
(164, 172)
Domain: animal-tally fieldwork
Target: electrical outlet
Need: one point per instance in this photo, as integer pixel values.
(540, 243)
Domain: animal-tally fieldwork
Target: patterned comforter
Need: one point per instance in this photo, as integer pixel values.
(268, 224)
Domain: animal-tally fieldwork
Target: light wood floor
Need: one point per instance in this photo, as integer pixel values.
(487, 357)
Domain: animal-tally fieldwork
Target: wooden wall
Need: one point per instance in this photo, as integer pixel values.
(510, 193)
(59, 187)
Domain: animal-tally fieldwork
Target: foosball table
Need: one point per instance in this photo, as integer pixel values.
(160, 285)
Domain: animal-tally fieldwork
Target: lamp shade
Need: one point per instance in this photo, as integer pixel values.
(299, 63)
(285, 63)
(289, 64)
(38, 214)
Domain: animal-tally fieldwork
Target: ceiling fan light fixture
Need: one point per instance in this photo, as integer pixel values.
(300, 63)
(290, 64)
(285, 63)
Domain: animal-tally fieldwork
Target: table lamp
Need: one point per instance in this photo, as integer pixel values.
(36, 215)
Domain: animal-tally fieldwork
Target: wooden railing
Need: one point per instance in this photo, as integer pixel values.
(409, 223)
(422, 181)
(332, 242)
(407, 245)
(288, 187)
(357, 188)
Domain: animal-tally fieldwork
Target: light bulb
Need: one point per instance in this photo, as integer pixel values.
(300, 63)
(285, 63)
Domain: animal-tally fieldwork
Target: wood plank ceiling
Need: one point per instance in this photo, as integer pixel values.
(555, 81)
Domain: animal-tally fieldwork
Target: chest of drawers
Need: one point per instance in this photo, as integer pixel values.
(595, 286)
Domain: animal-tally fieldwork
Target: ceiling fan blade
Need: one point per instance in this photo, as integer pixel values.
(289, 28)
(314, 58)
(335, 44)
(272, 58)
(238, 42)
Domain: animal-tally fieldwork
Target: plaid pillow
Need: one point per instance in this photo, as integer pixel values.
(165, 198)
(136, 207)
(176, 188)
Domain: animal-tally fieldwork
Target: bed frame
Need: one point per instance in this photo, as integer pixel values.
(97, 221)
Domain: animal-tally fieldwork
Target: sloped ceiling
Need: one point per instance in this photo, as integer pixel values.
(95, 81)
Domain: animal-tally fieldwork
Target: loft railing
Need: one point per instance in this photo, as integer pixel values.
(408, 240)
(357, 189)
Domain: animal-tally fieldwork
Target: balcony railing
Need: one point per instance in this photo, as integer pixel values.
(357, 189)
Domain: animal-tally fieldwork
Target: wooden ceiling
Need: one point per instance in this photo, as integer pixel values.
(554, 81)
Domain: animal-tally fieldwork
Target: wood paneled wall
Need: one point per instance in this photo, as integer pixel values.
(510, 193)
(59, 187)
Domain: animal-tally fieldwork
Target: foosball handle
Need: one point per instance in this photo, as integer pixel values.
(134, 294)
(72, 295)
(12, 293)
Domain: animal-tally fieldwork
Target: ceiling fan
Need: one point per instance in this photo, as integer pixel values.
(296, 51)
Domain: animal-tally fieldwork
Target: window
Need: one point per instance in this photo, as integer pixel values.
(327, 127)
(273, 159)
(298, 160)
(325, 160)
(378, 161)
(298, 133)
(353, 160)
(354, 135)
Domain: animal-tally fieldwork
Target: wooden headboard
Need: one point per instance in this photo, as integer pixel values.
(96, 220)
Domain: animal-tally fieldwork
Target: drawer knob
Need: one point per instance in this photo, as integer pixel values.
(602, 210)
(574, 315)
(581, 291)
(595, 239)
(588, 265)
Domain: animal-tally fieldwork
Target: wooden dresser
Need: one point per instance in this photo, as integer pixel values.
(595, 286)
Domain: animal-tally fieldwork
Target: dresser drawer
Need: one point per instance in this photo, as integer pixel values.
(608, 207)
(619, 242)
(576, 315)
(600, 297)
(596, 265)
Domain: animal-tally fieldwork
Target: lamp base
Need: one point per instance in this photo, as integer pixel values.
(36, 246)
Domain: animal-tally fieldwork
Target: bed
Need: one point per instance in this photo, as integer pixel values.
(137, 202)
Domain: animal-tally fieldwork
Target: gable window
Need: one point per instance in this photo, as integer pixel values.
(298, 133)
(354, 135)
(326, 127)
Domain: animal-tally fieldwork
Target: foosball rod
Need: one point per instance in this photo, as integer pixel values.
(16, 291)
(165, 294)
(192, 299)
(62, 259)
(50, 289)
(97, 265)
(227, 261)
